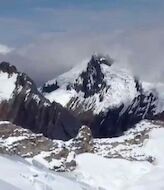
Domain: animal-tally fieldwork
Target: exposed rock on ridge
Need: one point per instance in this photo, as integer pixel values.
(28, 108)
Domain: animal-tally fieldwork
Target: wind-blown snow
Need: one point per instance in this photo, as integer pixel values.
(157, 89)
(7, 84)
(69, 76)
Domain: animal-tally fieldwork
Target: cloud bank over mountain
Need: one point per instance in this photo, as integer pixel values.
(49, 39)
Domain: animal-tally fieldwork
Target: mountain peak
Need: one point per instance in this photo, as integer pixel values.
(7, 68)
(102, 59)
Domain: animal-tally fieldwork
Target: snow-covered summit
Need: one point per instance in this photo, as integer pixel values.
(70, 76)
(105, 97)
(97, 83)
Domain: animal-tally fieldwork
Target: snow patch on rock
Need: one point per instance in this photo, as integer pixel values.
(7, 84)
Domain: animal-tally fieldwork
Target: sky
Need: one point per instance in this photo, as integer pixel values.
(45, 38)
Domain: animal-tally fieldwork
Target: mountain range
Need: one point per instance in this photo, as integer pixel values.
(96, 93)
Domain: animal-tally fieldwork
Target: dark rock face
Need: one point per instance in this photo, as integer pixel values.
(93, 78)
(32, 145)
(29, 109)
(114, 124)
(49, 88)
(6, 67)
(83, 142)
(116, 121)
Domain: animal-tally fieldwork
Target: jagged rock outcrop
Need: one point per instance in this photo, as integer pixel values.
(61, 156)
(106, 98)
(22, 104)
(17, 141)
(57, 155)
(130, 145)
(83, 142)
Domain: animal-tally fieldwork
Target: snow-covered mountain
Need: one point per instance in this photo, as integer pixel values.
(22, 104)
(106, 98)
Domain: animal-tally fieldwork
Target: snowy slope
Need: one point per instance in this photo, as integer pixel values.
(61, 95)
(130, 145)
(7, 85)
(70, 76)
(17, 174)
(94, 171)
(120, 174)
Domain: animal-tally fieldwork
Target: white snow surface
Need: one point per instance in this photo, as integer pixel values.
(11, 140)
(121, 90)
(93, 171)
(60, 96)
(17, 174)
(7, 84)
(120, 174)
(4, 122)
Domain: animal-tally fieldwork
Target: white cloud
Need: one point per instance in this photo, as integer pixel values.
(5, 49)
(56, 40)
(141, 50)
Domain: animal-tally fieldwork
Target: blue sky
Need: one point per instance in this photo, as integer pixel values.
(27, 19)
(57, 34)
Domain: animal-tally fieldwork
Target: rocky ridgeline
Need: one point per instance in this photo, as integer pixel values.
(61, 156)
(130, 146)
(56, 155)
(22, 104)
